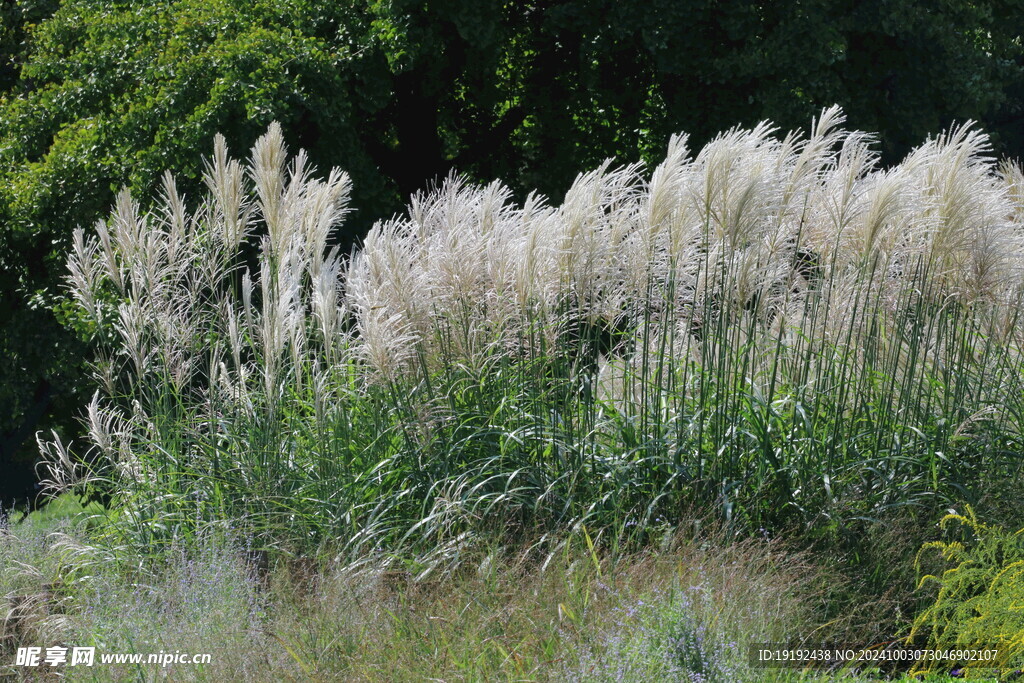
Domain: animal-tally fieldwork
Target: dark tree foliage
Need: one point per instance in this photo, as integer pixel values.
(17, 18)
(106, 94)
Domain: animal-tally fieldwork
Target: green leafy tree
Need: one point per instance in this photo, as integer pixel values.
(17, 17)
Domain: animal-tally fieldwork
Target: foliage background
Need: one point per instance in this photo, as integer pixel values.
(96, 95)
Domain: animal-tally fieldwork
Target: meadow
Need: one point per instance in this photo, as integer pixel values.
(719, 402)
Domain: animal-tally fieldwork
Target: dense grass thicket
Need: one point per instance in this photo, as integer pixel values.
(688, 610)
(687, 613)
(773, 326)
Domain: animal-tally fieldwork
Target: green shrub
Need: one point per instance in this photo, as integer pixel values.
(66, 506)
(980, 600)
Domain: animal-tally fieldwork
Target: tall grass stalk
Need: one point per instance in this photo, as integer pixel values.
(773, 327)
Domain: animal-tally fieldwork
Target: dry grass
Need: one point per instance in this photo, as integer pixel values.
(503, 616)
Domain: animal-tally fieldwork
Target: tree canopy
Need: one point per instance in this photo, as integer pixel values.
(105, 94)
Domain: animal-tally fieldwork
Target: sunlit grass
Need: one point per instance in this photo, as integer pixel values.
(773, 329)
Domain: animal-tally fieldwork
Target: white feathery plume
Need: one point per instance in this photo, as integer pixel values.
(225, 180)
(106, 424)
(131, 324)
(267, 171)
(63, 471)
(234, 336)
(85, 271)
(113, 264)
(327, 303)
(327, 206)
(175, 219)
(247, 307)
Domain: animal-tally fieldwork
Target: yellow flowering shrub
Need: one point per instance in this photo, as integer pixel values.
(980, 601)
